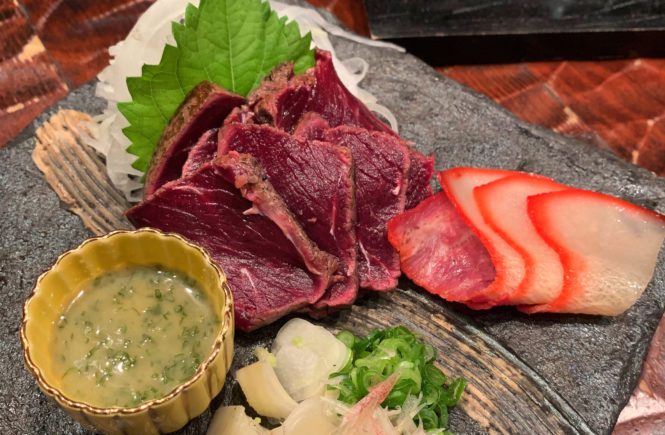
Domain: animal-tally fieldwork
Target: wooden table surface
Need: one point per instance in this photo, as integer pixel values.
(48, 47)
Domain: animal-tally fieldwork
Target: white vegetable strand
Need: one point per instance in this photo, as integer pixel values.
(144, 45)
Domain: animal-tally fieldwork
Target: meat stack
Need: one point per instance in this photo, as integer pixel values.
(290, 191)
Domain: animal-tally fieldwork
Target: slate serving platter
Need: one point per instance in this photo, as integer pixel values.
(541, 374)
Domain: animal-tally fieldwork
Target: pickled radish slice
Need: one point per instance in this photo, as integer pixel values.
(232, 420)
(312, 416)
(608, 248)
(459, 184)
(306, 355)
(302, 372)
(503, 205)
(263, 391)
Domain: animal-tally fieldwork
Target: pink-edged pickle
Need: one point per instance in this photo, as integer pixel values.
(503, 205)
(554, 248)
(608, 248)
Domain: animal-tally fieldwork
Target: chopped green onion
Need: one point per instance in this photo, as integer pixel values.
(347, 338)
(380, 354)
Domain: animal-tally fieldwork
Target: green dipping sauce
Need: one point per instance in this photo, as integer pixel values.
(133, 335)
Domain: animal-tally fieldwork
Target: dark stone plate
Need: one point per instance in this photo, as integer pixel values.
(540, 374)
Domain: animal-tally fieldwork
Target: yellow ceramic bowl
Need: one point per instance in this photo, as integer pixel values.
(57, 287)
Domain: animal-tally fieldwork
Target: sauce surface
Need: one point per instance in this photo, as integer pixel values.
(133, 335)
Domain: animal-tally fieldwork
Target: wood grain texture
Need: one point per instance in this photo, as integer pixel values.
(618, 104)
(29, 80)
(78, 174)
(77, 33)
(350, 12)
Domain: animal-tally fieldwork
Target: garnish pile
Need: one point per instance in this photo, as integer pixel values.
(389, 385)
(384, 352)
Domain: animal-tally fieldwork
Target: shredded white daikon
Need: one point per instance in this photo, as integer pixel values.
(144, 45)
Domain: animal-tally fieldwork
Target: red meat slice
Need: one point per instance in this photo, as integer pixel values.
(608, 248)
(328, 97)
(381, 167)
(203, 152)
(229, 209)
(421, 167)
(420, 175)
(503, 205)
(283, 99)
(311, 126)
(439, 252)
(205, 107)
(315, 179)
(459, 184)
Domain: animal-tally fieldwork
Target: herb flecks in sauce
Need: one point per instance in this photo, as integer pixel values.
(131, 336)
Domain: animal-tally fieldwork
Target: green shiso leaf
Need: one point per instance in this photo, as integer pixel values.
(234, 43)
